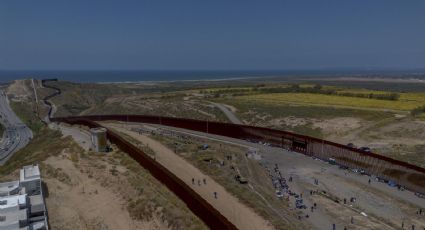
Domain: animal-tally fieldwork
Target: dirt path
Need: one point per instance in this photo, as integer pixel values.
(238, 213)
(229, 114)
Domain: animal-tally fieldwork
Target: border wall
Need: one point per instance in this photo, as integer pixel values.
(410, 176)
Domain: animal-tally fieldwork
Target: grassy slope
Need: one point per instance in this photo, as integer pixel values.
(246, 107)
(45, 143)
(123, 99)
(26, 114)
(170, 106)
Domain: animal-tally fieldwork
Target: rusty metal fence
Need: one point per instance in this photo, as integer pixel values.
(200, 207)
(410, 176)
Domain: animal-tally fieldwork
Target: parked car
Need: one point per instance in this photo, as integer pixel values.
(351, 145)
(365, 149)
(299, 204)
(332, 161)
(204, 147)
(279, 194)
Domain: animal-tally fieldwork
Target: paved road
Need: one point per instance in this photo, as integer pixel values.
(81, 136)
(229, 114)
(16, 135)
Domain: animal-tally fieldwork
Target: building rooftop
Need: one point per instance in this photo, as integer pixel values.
(38, 225)
(30, 172)
(37, 203)
(12, 203)
(11, 220)
(98, 130)
(26, 211)
(9, 188)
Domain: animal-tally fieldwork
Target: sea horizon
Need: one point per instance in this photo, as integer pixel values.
(134, 76)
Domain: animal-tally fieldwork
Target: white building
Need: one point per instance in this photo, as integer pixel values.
(22, 202)
(13, 212)
(30, 179)
(9, 188)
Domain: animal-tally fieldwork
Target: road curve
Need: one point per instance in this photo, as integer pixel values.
(229, 114)
(16, 136)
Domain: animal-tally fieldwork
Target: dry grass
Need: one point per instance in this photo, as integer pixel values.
(153, 197)
(47, 143)
(407, 102)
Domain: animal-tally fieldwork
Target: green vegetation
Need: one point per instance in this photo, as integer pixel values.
(28, 116)
(319, 89)
(418, 111)
(304, 88)
(278, 99)
(47, 143)
(373, 85)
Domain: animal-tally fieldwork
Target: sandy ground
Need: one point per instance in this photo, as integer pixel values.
(338, 126)
(20, 89)
(238, 213)
(85, 204)
(84, 201)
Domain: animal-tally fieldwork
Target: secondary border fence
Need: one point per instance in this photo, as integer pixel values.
(199, 206)
(47, 98)
(402, 173)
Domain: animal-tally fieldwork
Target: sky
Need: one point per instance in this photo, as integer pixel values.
(211, 35)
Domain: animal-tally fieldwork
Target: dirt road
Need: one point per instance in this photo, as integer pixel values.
(385, 206)
(229, 114)
(238, 213)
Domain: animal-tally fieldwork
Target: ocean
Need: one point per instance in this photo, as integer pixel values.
(134, 76)
(147, 75)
